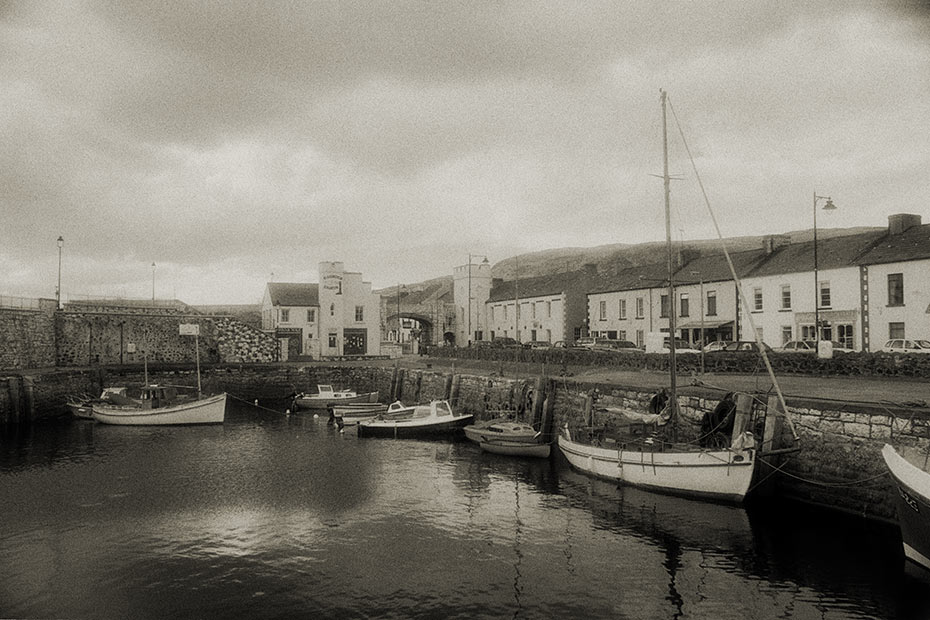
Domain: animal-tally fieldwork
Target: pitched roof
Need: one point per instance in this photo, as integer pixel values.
(832, 253)
(294, 294)
(538, 286)
(714, 267)
(912, 244)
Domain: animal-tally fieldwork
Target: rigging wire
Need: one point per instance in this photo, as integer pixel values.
(739, 288)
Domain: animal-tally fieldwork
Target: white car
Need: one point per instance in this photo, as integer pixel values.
(716, 345)
(902, 345)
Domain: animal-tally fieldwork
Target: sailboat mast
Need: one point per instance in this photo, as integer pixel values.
(673, 395)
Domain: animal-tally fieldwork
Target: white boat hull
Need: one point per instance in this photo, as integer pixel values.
(317, 402)
(516, 448)
(722, 475)
(913, 485)
(210, 410)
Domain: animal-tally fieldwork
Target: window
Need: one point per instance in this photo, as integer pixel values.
(711, 303)
(663, 302)
(621, 335)
(602, 310)
(844, 335)
(505, 312)
(640, 338)
(807, 332)
(824, 294)
(359, 313)
(786, 297)
(311, 315)
(785, 334)
(533, 334)
(622, 309)
(683, 305)
(548, 335)
(285, 315)
(331, 341)
(640, 312)
(757, 299)
(896, 330)
(895, 289)
(533, 311)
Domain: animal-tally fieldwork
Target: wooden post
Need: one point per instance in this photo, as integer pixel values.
(538, 395)
(773, 425)
(548, 408)
(447, 389)
(589, 409)
(743, 413)
(399, 392)
(456, 388)
(418, 385)
(29, 398)
(393, 390)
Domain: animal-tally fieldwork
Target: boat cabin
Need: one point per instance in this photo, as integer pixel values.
(156, 396)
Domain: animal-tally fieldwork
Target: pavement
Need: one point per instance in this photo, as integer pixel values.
(798, 390)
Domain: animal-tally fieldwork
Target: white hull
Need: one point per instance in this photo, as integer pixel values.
(210, 410)
(516, 448)
(723, 475)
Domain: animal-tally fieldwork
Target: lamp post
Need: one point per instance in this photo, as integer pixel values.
(828, 206)
(153, 281)
(399, 339)
(701, 281)
(61, 242)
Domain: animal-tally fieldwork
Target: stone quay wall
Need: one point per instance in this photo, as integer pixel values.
(27, 335)
(839, 464)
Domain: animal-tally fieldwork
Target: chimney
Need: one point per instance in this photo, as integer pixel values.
(770, 243)
(900, 222)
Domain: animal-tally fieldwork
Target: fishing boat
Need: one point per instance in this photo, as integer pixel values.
(656, 459)
(909, 470)
(326, 396)
(502, 429)
(538, 449)
(163, 405)
(429, 420)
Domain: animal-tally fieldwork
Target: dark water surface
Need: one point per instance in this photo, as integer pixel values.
(273, 516)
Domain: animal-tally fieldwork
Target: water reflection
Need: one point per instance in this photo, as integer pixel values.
(271, 515)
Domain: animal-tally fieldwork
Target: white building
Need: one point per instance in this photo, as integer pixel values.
(471, 287)
(337, 317)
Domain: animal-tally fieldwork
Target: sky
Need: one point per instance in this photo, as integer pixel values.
(236, 143)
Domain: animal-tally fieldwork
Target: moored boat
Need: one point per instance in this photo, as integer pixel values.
(352, 414)
(502, 429)
(161, 405)
(909, 470)
(326, 396)
(429, 420)
(506, 447)
(83, 407)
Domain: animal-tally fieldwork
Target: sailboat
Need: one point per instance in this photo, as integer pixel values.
(657, 460)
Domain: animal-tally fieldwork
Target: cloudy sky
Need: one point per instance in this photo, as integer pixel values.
(228, 141)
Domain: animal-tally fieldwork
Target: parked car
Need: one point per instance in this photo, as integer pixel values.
(902, 345)
(681, 346)
(798, 346)
(585, 342)
(716, 345)
(505, 341)
(745, 345)
(809, 346)
(615, 345)
(537, 344)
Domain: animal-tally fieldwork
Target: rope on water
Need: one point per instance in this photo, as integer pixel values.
(257, 406)
(850, 483)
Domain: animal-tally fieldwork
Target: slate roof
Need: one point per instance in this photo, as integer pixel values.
(912, 244)
(539, 286)
(294, 294)
(714, 267)
(832, 253)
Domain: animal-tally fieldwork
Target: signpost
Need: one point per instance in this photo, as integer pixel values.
(192, 329)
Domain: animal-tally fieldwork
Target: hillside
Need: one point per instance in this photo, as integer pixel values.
(609, 259)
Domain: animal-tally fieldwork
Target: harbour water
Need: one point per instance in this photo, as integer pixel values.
(277, 516)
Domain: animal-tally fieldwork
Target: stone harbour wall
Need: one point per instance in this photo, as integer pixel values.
(27, 336)
(838, 465)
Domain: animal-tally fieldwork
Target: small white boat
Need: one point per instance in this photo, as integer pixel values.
(502, 429)
(326, 396)
(536, 449)
(161, 405)
(433, 419)
(352, 414)
(909, 470)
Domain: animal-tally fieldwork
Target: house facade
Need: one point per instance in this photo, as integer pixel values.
(338, 316)
(471, 288)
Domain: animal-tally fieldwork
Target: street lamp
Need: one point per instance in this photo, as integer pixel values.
(61, 242)
(828, 206)
(701, 280)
